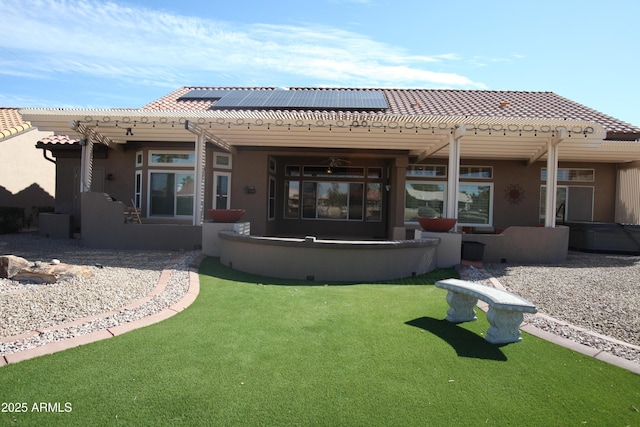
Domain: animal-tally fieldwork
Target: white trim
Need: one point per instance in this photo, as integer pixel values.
(175, 206)
(544, 171)
(481, 169)
(171, 165)
(216, 174)
(217, 155)
(490, 213)
(429, 182)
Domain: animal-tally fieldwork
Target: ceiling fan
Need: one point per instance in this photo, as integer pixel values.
(335, 162)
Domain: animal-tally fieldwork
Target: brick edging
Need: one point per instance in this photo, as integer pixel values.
(54, 347)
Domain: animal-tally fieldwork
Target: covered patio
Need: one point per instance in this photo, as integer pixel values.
(363, 159)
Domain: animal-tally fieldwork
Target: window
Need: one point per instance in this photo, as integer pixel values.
(138, 190)
(424, 199)
(221, 190)
(374, 201)
(566, 174)
(572, 203)
(333, 171)
(374, 173)
(139, 158)
(222, 161)
(475, 203)
(172, 193)
(272, 198)
(172, 158)
(427, 171)
(332, 200)
(476, 172)
(292, 170)
(292, 202)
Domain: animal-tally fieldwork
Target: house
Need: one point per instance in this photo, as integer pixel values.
(344, 163)
(27, 177)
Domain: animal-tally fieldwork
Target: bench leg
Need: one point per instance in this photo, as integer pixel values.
(505, 326)
(461, 307)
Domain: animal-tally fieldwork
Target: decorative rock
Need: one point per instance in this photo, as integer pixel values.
(10, 265)
(16, 268)
(35, 276)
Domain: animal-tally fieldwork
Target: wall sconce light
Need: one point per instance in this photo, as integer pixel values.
(110, 177)
(387, 187)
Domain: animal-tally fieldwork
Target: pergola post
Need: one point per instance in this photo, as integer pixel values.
(552, 178)
(199, 178)
(86, 164)
(453, 180)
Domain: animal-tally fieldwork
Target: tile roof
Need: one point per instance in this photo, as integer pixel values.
(11, 122)
(57, 140)
(445, 102)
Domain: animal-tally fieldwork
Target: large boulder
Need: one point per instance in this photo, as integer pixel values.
(16, 268)
(10, 265)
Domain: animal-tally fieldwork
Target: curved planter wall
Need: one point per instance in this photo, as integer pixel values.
(330, 260)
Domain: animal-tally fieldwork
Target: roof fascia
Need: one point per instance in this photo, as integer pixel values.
(590, 130)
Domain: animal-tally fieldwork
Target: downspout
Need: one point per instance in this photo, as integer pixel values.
(44, 154)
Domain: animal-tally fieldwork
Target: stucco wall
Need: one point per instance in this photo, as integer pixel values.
(309, 259)
(251, 169)
(103, 226)
(524, 245)
(26, 178)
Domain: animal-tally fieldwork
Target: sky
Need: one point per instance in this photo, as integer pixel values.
(127, 53)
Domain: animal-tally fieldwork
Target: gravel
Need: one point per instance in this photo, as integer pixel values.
(118, 279)
(592, 299)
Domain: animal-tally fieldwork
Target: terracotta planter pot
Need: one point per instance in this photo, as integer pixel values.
(437, 224)
(226, 215)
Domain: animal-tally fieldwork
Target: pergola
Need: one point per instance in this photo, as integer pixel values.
(422, 137)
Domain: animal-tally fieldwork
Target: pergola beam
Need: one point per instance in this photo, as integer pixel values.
(194, 128)
(93, 135)
(560, 136)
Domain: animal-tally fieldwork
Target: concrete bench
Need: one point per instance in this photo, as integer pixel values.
(505, 309)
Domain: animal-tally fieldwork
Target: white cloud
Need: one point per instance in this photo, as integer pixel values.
(110, 40)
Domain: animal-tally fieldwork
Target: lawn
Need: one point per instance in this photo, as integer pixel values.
(253, 351)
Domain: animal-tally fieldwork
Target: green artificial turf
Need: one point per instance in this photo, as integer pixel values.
(254, 351)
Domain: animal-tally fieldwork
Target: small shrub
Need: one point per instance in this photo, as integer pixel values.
(11, 219)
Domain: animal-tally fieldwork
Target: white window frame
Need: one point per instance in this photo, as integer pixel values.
(567, 190)
(481, 169)
(425, 171)
(445, 195)
(218, 155)
(139, 158)
(149, 191)
(171, 165)
(216, 174)
(543, 174)
(489, 223)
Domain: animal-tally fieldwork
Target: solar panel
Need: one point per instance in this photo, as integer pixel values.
(205, 94)
(292, 99)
